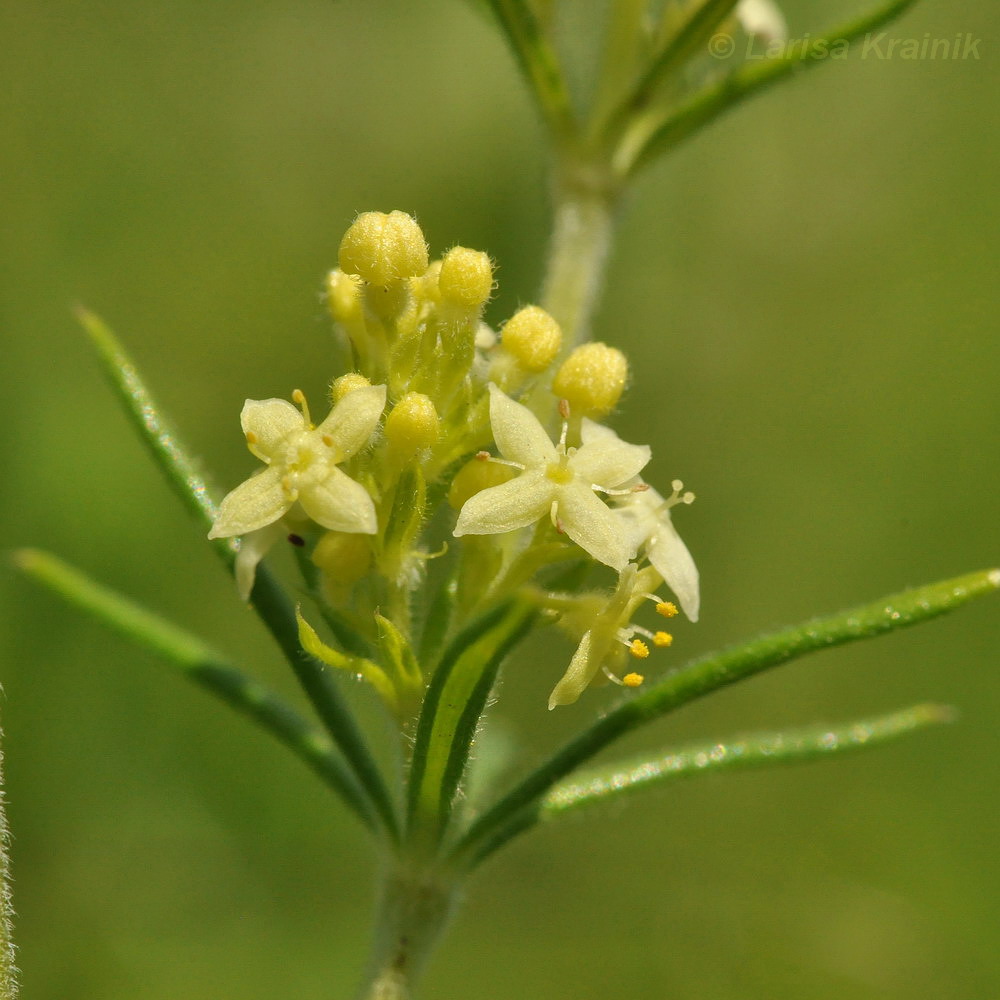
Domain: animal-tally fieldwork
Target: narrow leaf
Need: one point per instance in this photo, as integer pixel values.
(453, 705)
(593, 788)
(8, 970)
(664, 132)
(718, 670)
(202, 665)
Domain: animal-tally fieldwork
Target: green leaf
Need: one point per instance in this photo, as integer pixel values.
(538, 63)
(204, 666)
(591, 788)
(267, 598)
(661, 131)
(452, 708)
(715, 671)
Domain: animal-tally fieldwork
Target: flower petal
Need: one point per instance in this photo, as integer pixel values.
(339, 503)
(254, 504)
(511, 505)
(267, 423)
(593, 526)
(518, 433)
(608, 462)
(672, 560)
(352, 421)
(253, 548)
(579, 674)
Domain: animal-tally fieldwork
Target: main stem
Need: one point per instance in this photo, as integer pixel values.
(414, 907)
(585, 197)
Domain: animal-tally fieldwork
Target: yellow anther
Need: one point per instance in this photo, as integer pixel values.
(662, 639)
(327, 440)
(638, 649)
(632, 680)
(251, 437)
(666, 608)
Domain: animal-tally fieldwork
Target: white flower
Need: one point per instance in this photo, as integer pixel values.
(555, 480)
(762, 17)
(608, 634)
(646, 516)
(301, 467)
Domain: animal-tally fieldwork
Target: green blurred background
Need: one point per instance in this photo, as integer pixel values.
(808, 296)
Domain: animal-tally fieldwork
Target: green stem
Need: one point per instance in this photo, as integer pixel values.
(8, 971)
(583, 226)
(710, 673)
(414, 908)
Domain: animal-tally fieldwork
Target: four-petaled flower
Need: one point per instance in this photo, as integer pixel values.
(646, 516)
(557, 481)
(301, 465)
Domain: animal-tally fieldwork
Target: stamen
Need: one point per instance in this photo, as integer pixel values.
(554, 515)
(632, 680)
(299, 399)
(662, 639)
(666, 608)
(251, 437)
(485, 456)
(564, 409)
(327, 440)
(297, 540)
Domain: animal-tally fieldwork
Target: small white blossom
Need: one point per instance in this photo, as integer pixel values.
(608, 634)
(301, 467)
(763, 18)
(646, 516)
(557, 481)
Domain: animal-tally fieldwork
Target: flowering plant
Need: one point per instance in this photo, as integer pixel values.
(466, 488)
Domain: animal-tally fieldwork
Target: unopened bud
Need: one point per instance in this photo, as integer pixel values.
(412, 424)
(476, 475)
(592, 379)
(533, 337)
(345, 384)
(343, 558)
(384, 249)
(466, 277)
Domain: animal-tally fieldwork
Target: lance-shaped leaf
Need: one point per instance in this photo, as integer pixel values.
(452, 708)
(201, 664)
(710, 673)
(658, 131)
(267, 598)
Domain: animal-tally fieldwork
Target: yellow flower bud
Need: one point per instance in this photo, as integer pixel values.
(533, 337)
(384, 249)
(343, 297)
(412, 424)
(343, 558)
(340, 387)
(592, 379)
(476, 475)
(466, 277)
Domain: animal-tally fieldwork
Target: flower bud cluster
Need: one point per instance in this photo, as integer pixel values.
(438, 409)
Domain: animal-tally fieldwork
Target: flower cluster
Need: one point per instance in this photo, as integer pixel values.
(438, 405)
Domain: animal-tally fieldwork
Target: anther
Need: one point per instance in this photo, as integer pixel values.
(632, 680)
(564, 409)
(297, 540)
(662, 639)
(667, 608)
(299, 399)
(251, 437)
(638, 649)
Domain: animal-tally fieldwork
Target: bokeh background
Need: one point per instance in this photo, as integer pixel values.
(808, 295)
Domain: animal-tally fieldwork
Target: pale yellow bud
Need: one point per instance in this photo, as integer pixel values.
(592, 379)
(412, 424)
(477, 475)
(384, 249)
(343, 297)
(343, 558)
(466, 277)
(345, 384)
(533, 337)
